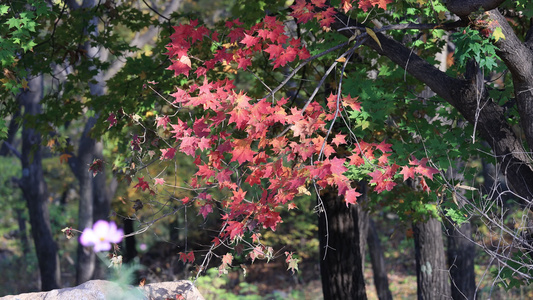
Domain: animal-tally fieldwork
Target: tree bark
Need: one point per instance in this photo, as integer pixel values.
(86, 257)
(362, 221)
(431, 271)
(340, 257)
(130, 244)
(461, 253)
(381, 281)
(35, 190)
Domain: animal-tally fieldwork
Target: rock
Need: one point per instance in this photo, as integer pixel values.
(106, 290)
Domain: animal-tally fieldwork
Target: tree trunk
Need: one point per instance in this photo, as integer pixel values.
(102, 195)
(86, 257)
(340, 257)
(35, 190)
(461, 253)
(362, 221)
(431, 271)
(21, 220)
(381, 281)
(130, 244)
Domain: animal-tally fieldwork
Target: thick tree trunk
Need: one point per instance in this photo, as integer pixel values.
(102, 195)
(340, 257)
(86, 257)
(461, 253)
(35, 190)
(431, 271)
(381, 281)
(91, 189)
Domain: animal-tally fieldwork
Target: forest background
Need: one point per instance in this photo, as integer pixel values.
(266, 149)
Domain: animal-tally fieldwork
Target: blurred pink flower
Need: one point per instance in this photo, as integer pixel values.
(101, 235)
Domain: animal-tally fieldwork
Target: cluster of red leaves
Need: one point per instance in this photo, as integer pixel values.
(236, 140)
(268, 36)
(305, 11)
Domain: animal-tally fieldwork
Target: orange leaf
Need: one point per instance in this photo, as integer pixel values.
(64, 157)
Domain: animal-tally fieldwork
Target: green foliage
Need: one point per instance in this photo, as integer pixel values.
(13, 204)
(508, 274)
(470, 44)
(20, 23)
(212, 286)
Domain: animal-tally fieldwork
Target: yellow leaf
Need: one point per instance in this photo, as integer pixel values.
(341, 59)
(51, 144)
(142, 75)
(64, 157)
(498, 34)
(465, 187)
(302, 190)
(25, 84)
(373, 35)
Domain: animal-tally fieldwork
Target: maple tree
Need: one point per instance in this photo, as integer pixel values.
(264, 152)
(264, 148)
(338, 98)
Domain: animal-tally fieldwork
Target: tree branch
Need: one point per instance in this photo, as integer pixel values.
(143, 39)
(466, 97)
(463, 8)
(518, 58)
(13, 150)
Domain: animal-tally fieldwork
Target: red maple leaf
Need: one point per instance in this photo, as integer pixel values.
(224, 175)
(356, 160)
(227, 259)
(274, 50)
(142, 184)
(168, 153)
(244, 62)
(204, 143)
(187, 257)
(181, 66)
(339, 139)
(365, 5)
(249, 40)
(239, 117)
(238, 196)
(346, 5)
(205, 210)
(162, 121)
(337, 165)
(351, 103)
(188, 145)
(407, 173)
(302, 11)
(205, 171)
(288, 55)
(234, 229)
(351, 196)
(242, 151)
(384, 147)
(112, 120)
